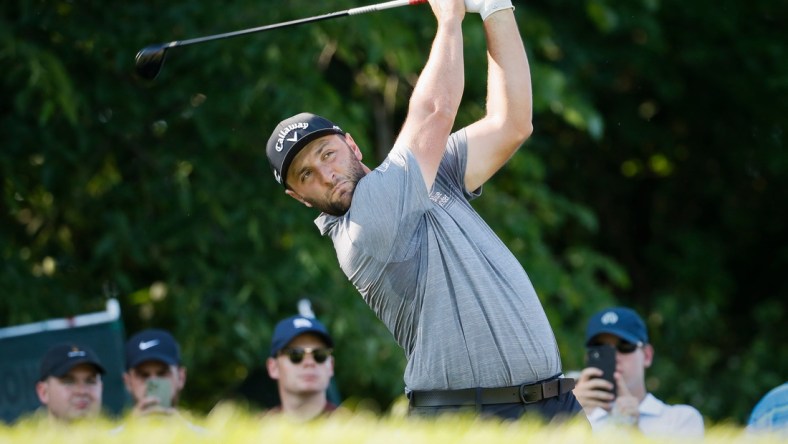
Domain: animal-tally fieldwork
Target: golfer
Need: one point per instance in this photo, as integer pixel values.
(455, 298)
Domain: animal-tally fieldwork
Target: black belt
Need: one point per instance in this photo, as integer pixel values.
(524, 394)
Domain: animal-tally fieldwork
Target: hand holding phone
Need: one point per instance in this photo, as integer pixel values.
(161, 389)
(603, 357)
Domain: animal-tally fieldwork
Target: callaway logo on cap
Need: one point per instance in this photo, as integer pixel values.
(294, 138)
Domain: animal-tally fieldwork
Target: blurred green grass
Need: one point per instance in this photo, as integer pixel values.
(228, 424)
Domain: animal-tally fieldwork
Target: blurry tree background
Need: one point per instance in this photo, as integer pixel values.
(655, 178)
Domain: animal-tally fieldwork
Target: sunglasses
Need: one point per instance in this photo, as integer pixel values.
(621, 346)
(296, 355)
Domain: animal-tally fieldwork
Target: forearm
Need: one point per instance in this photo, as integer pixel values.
(509, 95)
(508, 120)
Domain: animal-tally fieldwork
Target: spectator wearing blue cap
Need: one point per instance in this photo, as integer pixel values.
(154, 375)
(301, 363)
(69, 384)
(622, 329)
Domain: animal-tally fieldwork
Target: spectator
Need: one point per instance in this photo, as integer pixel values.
(153, 358)
(70, 385)
(771, 412)
(623, 329)
(302, 365)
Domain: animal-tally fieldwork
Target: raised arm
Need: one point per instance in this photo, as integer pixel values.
(436, 97)
(507, 124)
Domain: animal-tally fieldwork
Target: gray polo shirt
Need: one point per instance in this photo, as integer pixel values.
(448, 289)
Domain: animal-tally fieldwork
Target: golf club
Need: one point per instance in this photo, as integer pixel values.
(150, 59)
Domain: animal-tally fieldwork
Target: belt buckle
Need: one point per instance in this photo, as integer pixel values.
(529, 397)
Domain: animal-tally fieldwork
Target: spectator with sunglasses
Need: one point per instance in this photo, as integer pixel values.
(632, 404)
(302, 365)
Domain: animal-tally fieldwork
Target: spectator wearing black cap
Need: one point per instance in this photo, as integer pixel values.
(70, 385)
(154, 357)
(632, 404)
(301, 363)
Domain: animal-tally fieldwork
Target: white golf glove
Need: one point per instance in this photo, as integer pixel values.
(487, 7)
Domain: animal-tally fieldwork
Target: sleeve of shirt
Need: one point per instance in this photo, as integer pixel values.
(452, 168)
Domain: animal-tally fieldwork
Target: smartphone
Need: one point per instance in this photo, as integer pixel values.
(161, 389)
(603, 357)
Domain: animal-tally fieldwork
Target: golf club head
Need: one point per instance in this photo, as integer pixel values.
(150, 60)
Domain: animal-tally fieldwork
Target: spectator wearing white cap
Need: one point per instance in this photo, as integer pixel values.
(631, 404)
(301, 363)
(70, 385)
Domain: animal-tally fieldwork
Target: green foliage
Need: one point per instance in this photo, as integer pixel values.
(654, 178)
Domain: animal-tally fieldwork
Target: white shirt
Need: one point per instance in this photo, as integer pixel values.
(658, 419)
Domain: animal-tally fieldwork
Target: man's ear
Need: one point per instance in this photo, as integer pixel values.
(127, 381)
(648, 355)
(181, 377)
(353, 146)
(273, 369)
(42, 390)
(297, 197)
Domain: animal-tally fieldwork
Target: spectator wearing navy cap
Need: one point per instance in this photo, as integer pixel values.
(632, 404)
(70, 385)
(301, 363)
(154, 355)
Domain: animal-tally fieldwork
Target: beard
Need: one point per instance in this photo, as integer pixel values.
(337, 200)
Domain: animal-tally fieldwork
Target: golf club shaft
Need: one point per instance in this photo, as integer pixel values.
(330, 15)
